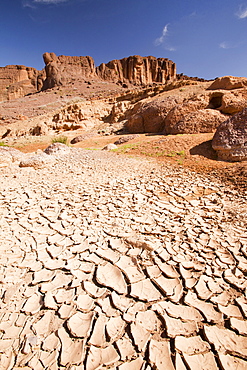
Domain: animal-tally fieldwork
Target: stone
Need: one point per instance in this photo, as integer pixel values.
(232, 104)
(17, 81)
(110, 147)
(111, 276)
(149, 115)
(180, 111)
(125, 139)
(57, 149)
(201, 121)
(37, 161)
(230, 139)
(228, 83)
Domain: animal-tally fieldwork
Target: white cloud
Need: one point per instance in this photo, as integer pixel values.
(224, 45)
(170, 48)
(160, 40)
(49, 1)
(242, 12)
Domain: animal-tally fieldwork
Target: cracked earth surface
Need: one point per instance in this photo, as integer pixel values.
(109, 262)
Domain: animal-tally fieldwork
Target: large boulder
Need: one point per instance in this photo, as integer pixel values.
(37, 161)
(149, 116)
(232, 104)
(180, 111)
(228, 83)
(201, 121)
(230, 139)
(57, 149)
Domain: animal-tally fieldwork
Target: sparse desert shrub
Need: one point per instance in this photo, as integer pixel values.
(60, 139)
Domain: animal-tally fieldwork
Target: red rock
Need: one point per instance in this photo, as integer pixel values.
(138, 70)
(228, 83)
(17, 81)
(230, 139)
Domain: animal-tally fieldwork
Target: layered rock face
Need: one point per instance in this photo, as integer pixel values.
(17, 81)
(64, 69)
(138, 70)
(230, 140)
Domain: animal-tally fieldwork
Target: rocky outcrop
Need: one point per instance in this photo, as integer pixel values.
(57, 149)
(230, 139)
(180, 111)
(228, 102)
(201, 121)
(138, 70)
(17, 81)
(149, 115)
(228, 83)
(86, 114)
(63, 69)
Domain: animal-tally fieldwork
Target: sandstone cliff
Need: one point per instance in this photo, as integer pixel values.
(138, 70)
(63, 69)
(17, 81)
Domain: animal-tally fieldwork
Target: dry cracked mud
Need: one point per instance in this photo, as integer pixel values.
(111, 262)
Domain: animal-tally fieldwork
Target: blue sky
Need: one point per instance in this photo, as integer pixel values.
(205, 38)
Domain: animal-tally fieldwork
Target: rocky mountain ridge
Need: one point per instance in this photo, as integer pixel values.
(17, 81)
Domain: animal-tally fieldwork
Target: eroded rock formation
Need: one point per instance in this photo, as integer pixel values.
(230, 140)
(17, 81)
(138, 70)
(228, 83)
(64, 69)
